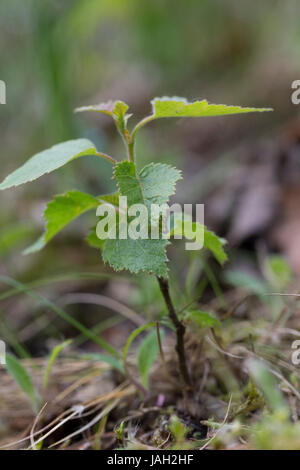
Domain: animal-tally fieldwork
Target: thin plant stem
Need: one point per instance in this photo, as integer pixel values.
(131, 151)
(180, 331)
(141, 124)
(107, 157)
(131, 139)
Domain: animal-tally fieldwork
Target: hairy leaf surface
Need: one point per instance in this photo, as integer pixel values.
(154, 184)
(137, 255)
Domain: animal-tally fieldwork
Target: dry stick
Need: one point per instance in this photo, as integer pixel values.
(180, 331)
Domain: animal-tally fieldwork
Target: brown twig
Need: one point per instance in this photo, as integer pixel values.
(180, 331)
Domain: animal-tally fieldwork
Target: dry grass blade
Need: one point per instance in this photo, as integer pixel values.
(104, 301)
(94, 421)
(220, 428)
(33, 444)
(76, 412)
(77, 384)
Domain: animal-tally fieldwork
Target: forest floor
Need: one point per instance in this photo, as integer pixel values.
(245, 392)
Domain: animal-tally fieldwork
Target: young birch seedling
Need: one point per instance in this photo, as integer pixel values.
(154, 184)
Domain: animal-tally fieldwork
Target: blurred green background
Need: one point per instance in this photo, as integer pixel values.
(58, 55)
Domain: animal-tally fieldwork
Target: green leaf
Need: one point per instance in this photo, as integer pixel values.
(202, 319)
(65, 208)
(110, 198)
(60, 212)
(120, 117)
(93, 240)
(49, 160)
(180, 107)
(147, 352)
(112, 361)
(132, 336)
(158, 182)
(51, 360)
(215, 244)
(277, 271)
(244, 280)
(154, 184)
(212, 242)
(267, 383)
(128, 184)
(137, 255)
(23, 379)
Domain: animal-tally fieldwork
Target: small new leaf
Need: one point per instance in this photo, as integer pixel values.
(104, 108)
(48, 161)
(115, 109)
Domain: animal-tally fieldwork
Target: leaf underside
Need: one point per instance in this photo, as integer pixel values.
(48, 161)
(108, 107)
